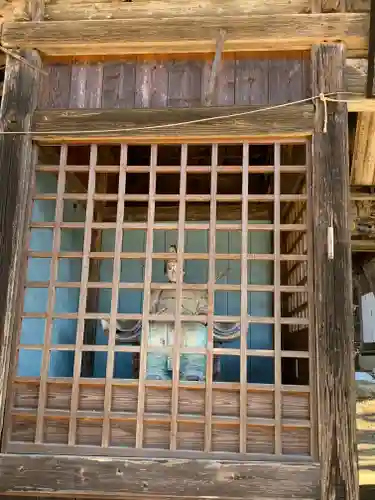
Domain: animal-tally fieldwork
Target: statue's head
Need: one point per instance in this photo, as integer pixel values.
(171, 265)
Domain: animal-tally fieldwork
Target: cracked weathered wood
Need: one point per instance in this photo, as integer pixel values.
(115, 477)
(89, 124)
(333, 281)
(16, 161)
(187, 34)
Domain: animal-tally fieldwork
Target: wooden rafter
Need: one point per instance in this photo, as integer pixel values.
(188, 34)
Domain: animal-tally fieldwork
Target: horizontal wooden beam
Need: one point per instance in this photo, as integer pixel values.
(161, 34)
(155, 125)
(115, 477)
(73, 10)
(61, 10)
(367, 245)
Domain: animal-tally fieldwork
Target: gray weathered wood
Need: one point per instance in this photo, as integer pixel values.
(147, 477)
(333, 282)
(187, 34)
(36, 9)
(16, 166)
(88, 124)
(356, 76)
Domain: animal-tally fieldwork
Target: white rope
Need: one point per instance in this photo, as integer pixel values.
(321, 96)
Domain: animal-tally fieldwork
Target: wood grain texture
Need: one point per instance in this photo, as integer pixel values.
(35, 9)
(363, 161)
(358, 5)
(127, 477)
(60, 10)
(356, 76)
(333, 282)
(333, 5)
(69, 10)
(16, 167)
(188, 34)
(365, 433)
(160, 83)
(86, 125)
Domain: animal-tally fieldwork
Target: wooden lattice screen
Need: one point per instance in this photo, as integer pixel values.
(240, 226)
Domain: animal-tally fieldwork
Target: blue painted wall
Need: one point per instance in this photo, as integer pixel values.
(38, 269)
(130, 301)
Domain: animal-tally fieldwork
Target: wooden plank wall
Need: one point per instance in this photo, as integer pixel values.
(174, 83)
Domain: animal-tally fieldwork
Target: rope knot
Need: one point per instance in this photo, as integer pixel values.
(323, 98)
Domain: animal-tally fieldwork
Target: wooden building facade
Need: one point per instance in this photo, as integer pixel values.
(220, 130)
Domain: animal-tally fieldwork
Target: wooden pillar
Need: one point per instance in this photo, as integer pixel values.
(333, 281)
(16, 167)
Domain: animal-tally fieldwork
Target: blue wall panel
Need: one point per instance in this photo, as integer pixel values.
(66, 299)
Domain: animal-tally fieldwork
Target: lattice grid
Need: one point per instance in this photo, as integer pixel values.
(102, 225)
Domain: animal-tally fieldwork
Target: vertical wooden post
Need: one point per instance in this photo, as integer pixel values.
(333, 280)
(16, 168)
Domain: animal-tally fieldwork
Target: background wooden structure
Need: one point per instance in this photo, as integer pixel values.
(108, 65)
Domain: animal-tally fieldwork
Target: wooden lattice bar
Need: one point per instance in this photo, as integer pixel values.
(276, 299)
(104, 223)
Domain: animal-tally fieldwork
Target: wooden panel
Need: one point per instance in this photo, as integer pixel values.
(240, 81)
(118, 85)
(252, 81)
(179, 83)
(260, 435)
(285, 81)
(332, 270)
(154, 125)
(287, 32)
(55, 87)
(115, 477)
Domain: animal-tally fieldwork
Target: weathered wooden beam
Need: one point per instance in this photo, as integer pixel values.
(115, 477)
(154, 125)
(160, 34)
(60, 10)
(363, 163)
(363, 245)
(333, 281)
(16, 166)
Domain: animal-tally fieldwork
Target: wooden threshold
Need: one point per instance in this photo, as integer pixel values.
(126, 478)
(184, 34)
(147, 125)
